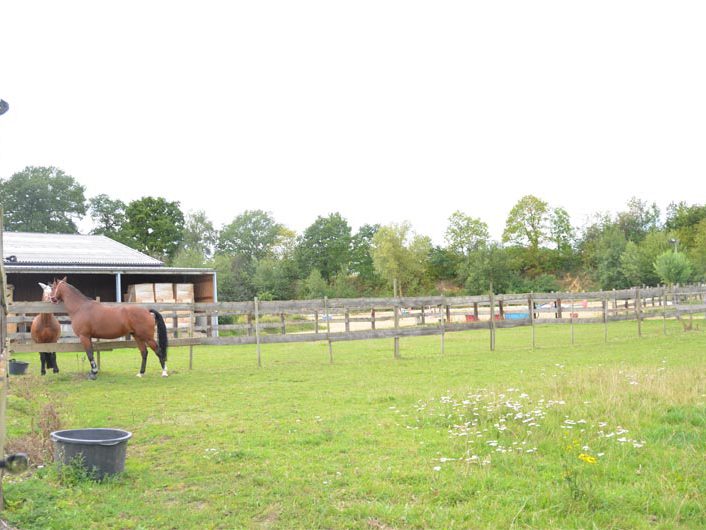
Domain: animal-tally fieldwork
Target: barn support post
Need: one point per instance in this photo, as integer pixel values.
(118, 287)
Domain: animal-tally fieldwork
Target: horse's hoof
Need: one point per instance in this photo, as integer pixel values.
(139, 374)
(165, 374)
(56, 370)
(92, 376)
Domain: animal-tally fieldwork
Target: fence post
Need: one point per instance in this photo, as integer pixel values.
(192, 317)
(282, 323)
(443, 330)
(327, 316)
(347, 318)
(530, 308)
(571, 314)
(257, 331)
(316, 321)
(605, 319)
(638, 311)
(492, 320)
(397, 327)
(372, 318)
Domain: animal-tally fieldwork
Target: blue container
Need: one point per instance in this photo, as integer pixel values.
(516, 316)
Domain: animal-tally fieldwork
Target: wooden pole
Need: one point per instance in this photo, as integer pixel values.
(192, 318)
(443, 331)
(638, 311)
(397, 327)
(347, 319)
(3, 355)
(605, 319)
(372, 318)
(492, 319)
(327, 316)
(571, 314)
(257, 332)
(530, 308)
(283, 324)
(316, 321)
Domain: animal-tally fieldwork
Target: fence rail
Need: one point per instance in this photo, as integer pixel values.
(342, 319)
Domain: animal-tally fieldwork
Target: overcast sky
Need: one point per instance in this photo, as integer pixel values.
(382, 111)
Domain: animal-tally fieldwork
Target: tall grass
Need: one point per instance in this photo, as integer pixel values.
(594, 434)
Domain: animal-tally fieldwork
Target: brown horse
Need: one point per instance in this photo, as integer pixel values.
(91, 319)
(46, 329)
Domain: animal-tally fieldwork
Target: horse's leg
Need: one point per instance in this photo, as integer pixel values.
(143, 351)
(43, 360)
(160, 355)
(54, 365)
(88, 346)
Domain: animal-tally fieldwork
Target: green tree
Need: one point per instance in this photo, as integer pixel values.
(314, 286)
(399, 254)
(42, 199)
(561, 231)
(609, 249)
(108, 216)
(275, 279)
(361, 261)
(491, 264)
(200, 237)
(639, 219)
(683, 222)
(526, 223)
(465, 233)
(254, 234)
(673, 267)
(154, 226)
(325, 246)
(235, 277)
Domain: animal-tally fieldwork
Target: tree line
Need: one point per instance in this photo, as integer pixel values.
(254, 255)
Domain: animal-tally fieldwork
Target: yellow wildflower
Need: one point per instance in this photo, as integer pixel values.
(588, 458)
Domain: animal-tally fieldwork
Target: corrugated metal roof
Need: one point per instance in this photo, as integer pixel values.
(70, 249)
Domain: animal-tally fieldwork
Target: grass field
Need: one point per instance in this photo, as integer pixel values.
(584, 435)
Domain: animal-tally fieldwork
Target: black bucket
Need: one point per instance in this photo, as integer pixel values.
(17, 367)
(101, 451)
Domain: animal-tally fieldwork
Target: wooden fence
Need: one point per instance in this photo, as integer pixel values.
(261, 322)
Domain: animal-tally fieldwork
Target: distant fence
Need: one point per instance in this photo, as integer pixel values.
(345, 319)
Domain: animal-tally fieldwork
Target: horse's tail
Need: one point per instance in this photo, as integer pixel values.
(161, 332)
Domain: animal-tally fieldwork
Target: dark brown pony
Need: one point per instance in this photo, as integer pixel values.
(46, 329)
(91, 319)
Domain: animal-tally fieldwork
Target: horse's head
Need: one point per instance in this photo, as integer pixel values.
(56, 293)
(46, 292)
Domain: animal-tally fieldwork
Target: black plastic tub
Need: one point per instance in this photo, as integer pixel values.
(101, 451)
(17, 367)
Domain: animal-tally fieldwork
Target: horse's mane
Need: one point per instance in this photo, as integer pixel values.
(75, 290)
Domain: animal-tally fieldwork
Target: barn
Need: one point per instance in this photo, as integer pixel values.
(98, 266)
